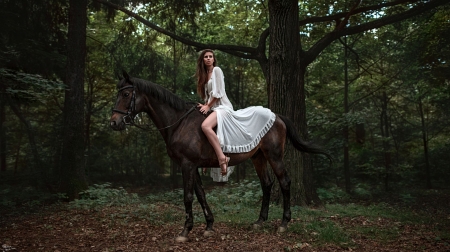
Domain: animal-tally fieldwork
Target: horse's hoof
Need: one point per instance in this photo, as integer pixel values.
(181, 239)
(282, 229)
(256, 226)
(208, 233)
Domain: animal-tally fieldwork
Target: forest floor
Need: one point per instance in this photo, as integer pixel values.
(123, 228)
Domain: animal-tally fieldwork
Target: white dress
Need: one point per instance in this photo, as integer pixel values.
(238, 131)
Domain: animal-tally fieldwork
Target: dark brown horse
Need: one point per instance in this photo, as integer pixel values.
(180, 125)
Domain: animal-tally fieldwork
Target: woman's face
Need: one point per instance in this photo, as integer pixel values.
(208, 59)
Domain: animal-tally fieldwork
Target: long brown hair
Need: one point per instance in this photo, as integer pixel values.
(202, 74)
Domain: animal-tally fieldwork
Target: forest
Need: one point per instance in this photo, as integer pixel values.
(369, 81)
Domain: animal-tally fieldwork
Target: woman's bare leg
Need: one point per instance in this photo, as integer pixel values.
(207, 126)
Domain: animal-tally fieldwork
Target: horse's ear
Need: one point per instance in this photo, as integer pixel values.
(125, 75)
(119, 77)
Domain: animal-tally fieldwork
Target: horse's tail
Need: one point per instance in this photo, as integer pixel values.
(300, 144)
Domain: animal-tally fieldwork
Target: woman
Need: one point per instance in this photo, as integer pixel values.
(237, 131)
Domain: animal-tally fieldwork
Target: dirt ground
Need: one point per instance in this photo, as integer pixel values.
(61, 229)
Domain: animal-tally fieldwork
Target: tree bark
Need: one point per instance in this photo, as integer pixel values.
(346, 128)
(173, 166)
(425, 145)
(286, 90)
(311, 196)
(2, 134)
(385, 128)
(87, 118)
(30, 132)
(72, 162)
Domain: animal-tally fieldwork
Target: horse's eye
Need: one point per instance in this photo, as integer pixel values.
(126, 94)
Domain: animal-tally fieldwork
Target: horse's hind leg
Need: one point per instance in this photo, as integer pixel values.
(285, 185)
(201, 197)
(260, 163)
(272, 145)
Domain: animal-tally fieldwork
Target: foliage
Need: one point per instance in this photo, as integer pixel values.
(407, 61)
(331, 194)
(323, 232)
(172, 197)
(98, 196)
(235, 196)
(33, 36)
(398, 97)
(28, 197)
(234, 201)
(105, 211)
(386, 64)
(29, 87)
(24, 196)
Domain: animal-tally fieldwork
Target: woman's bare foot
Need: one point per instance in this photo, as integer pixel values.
(224, 166)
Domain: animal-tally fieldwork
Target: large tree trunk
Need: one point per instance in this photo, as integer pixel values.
(345, 130)
(310, 195)
(30, 132)
(72, 163)
(173, 166)
(425, 145)
(87, 125)
(2, 134)
(385, 128)
(286, 92)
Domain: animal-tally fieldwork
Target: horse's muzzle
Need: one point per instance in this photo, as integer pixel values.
(117, 125)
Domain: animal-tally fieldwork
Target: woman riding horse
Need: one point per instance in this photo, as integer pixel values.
(237, 131)
(261, 138)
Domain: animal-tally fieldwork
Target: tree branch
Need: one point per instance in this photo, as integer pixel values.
(318, 47)
(415, 11)
(310, 55)
(357, 58)
(341, 25)
(338, 16)
(239, 51)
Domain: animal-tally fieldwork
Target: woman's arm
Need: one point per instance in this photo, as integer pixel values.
(204, 108)
(218, 90)
(218, 83)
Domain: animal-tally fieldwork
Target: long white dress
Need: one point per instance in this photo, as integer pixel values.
(238, 131)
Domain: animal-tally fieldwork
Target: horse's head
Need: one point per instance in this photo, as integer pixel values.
(127, 104)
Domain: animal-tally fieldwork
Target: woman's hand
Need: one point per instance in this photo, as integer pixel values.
(204, 108)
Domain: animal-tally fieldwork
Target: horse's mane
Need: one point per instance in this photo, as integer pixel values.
(156, 91)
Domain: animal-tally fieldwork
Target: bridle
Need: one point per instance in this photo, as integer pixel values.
(129, 120)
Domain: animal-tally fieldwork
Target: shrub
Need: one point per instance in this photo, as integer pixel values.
(102, 195)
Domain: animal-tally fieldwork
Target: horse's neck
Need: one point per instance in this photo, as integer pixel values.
(162, 116)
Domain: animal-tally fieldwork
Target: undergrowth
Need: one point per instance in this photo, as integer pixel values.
(238, 205)
(102, 195)
(18, 200)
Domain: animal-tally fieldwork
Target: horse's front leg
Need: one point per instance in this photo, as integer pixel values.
(201, 197)
(189, 179)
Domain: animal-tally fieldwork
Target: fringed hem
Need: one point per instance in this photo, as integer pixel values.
(250, 146)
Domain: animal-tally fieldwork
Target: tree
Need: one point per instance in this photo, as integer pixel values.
(32, 41)
(2, 134)
(286, 66)
(72, 162)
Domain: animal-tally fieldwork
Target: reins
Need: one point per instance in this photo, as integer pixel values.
(128, 120)
(149, 129)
